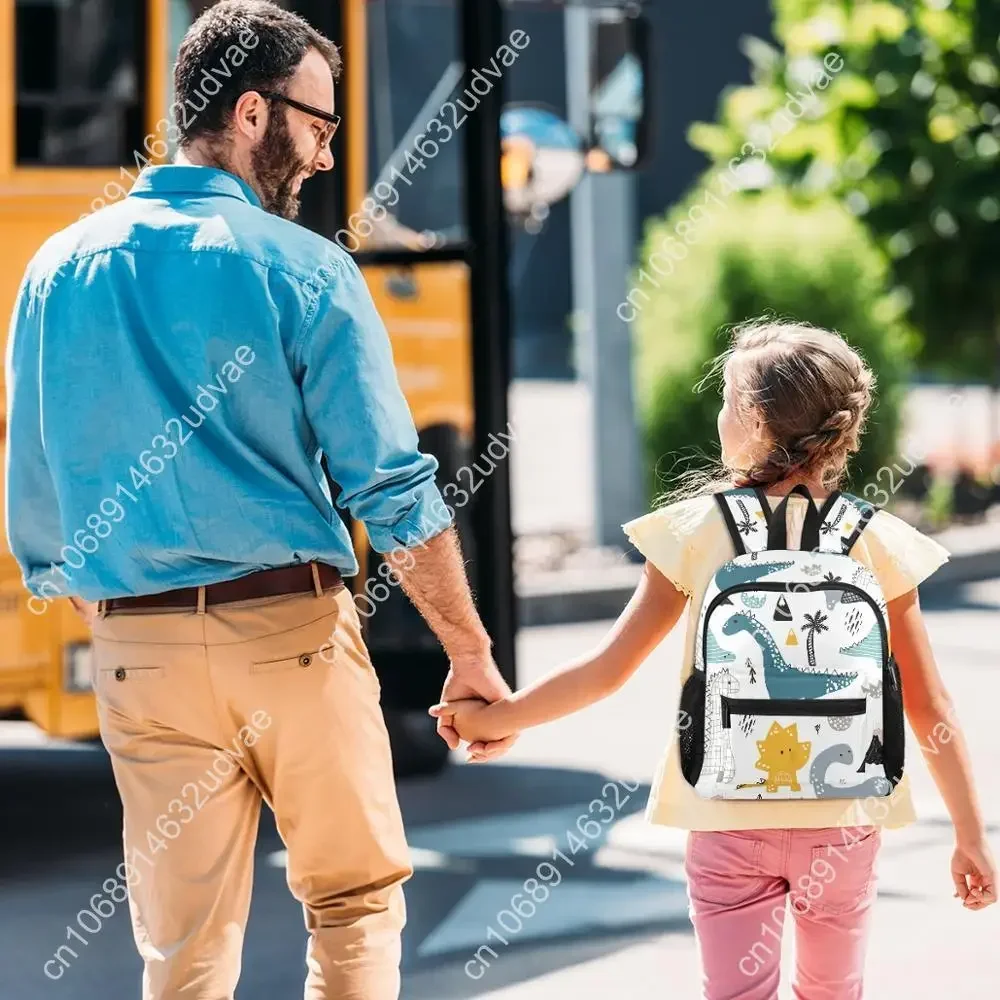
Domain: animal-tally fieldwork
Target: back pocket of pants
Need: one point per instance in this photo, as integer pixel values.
(130, 675)
(841, 875)
(310, 659)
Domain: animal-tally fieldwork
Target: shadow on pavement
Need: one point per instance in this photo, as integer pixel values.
(476, 833)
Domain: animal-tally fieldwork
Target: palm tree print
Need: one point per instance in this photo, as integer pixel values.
(832, 596)
(813, 624)
(746, 526)
(828, 527)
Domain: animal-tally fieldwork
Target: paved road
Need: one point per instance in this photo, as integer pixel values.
(617, 924)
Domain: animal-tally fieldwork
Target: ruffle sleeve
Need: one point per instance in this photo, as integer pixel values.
(902, 557)
(669, 538)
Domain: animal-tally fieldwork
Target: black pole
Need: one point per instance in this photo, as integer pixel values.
(482, 25)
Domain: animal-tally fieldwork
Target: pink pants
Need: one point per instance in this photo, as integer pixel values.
(739, 883)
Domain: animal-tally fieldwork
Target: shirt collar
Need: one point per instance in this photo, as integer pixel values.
(171, 178)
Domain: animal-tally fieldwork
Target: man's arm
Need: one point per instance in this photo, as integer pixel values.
(363, 424)
(434, 579)
(433, 576)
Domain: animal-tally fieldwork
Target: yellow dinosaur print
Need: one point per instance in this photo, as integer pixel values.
(782, 755)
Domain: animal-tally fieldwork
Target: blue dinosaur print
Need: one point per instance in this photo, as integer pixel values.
(732, 575)
(870, 647)
(714, 653)
(781, 679)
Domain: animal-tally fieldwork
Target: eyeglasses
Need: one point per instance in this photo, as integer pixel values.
(332, 121)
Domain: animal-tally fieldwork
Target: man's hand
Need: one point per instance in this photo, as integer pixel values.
(473, 677)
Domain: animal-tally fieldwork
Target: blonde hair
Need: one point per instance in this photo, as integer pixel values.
(811, 391)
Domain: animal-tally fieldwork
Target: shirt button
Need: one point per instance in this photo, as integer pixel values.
(120, 674)
(305, 659)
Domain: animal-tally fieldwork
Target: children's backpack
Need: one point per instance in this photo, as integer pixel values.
(794, 692)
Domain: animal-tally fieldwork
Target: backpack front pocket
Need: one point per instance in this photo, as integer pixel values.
(784, 748)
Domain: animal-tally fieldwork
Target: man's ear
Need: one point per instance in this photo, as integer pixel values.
(250, 115)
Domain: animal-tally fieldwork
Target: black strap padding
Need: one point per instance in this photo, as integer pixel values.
(727, 516)
(765, 506)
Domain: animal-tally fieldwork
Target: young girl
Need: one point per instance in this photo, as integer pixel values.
(795, 402)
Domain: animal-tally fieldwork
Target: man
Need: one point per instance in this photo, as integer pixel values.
(178, 364)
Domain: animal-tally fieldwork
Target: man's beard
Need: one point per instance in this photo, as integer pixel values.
(275, 166)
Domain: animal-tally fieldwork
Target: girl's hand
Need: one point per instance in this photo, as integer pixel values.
(473, 719)
(469, 680)
(974, 873)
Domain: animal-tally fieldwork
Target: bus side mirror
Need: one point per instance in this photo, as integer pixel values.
(620, 87)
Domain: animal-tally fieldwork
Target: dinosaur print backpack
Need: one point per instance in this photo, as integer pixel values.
(794, 693)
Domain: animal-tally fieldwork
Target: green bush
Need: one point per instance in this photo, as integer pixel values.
(756, 255)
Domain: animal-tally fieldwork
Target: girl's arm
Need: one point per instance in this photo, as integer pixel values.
(650, 614)
(931, 714)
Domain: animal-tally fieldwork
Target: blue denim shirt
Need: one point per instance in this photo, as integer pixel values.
(178, 364)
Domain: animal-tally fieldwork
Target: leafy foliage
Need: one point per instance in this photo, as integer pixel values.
(906, 134)
(767, 253)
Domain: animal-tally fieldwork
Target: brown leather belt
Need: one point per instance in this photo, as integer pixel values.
(297, 579)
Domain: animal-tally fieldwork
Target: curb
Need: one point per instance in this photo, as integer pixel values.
(566, 599)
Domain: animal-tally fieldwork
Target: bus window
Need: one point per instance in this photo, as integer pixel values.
(80, 82)
(415, 137)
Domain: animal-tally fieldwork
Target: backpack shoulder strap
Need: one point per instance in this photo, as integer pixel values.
(842, 520)
(747, 515)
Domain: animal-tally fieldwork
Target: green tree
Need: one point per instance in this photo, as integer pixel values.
(752, 255)
(902, 123)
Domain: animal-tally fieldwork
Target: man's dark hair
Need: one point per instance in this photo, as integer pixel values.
(235, 46)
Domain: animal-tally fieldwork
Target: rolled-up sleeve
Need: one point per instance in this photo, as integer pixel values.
(360, 416)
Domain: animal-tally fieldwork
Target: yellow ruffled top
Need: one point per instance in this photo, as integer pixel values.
(687, 542)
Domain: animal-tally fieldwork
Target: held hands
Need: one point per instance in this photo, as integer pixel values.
(473, 676)
(974, 873)
(474, 719)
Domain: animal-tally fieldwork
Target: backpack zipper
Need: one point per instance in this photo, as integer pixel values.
(789, 588)
(790, 706)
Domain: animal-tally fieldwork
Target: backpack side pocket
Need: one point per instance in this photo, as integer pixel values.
(892, 722)
(691, 727)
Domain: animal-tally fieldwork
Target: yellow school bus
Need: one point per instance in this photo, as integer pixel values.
(85, 99)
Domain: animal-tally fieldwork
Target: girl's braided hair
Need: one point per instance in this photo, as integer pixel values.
(810, 389)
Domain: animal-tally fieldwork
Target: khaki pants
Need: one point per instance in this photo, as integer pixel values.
(206, 714)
